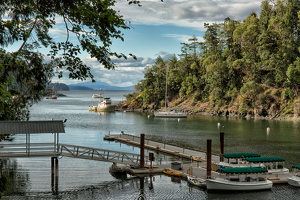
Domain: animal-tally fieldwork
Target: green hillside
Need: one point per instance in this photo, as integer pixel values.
(249, 66)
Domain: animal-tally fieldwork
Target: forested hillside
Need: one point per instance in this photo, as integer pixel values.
(249, 66)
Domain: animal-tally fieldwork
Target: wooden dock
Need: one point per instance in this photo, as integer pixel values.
(195, 164)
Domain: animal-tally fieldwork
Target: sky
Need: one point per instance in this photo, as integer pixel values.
(158, 29)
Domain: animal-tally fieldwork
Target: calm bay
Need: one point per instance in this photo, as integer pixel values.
(30, 178)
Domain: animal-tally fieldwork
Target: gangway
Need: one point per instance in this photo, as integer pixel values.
(99, 154)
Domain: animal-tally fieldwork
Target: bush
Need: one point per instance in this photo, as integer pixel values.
(287, 93)
(192, 103)
(243, 110)
(197, 95)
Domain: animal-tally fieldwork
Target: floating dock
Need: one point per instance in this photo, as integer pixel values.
(195, 161)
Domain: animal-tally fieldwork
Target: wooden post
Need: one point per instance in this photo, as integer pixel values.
(208, 161)
(142, 151)
(221, 146)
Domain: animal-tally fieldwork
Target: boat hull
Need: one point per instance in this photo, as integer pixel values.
(294, 181)
(169, 115)
(224, 184)
(196, 182)
(106, 109)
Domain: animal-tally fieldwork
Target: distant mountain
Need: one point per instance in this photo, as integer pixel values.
(96, 86)
(58, 86)
(76, 87)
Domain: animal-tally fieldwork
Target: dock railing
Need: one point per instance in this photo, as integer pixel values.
(28, 150)
(99, 154)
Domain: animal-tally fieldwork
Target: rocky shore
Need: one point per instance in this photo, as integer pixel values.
(253, 114)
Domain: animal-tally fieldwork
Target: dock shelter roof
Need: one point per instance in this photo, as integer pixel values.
(244, 170)
(240, 155)
(29, 127)
(296, 166)
(265, 159)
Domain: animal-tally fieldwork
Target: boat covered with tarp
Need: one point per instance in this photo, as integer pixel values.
(295, 179)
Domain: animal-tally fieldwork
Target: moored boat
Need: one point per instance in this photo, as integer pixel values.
(240, 179)
(171, 173)
(273, 164)
(172, 114)
(196, 181)
(114, 169)
(166, 114)
(295, 179)
(235, 160)
(104, 105)
(98, 95)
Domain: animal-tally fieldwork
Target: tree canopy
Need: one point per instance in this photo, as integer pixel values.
(246, 64)
(27, 24)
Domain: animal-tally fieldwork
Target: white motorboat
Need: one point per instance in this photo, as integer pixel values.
(235, 160)
(104, 105)
(172, 114)
(241, 179)
(196, 181)
(295, 179)
(274, 165)
(98, 95)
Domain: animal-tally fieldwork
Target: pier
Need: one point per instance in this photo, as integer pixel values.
(193, 162)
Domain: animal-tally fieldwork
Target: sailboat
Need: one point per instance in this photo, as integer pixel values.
(166, 114)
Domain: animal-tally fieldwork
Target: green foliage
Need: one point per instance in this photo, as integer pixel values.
(28, 23)
(287, 93)
(3, 183)
(243, 110)
(245, 63)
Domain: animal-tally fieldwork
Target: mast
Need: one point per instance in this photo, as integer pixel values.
(166, 89)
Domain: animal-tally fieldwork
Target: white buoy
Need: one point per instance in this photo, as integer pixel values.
(178, 119)
(148, 116)
(219, 124)
(268, 130)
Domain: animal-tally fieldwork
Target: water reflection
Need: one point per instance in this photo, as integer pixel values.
(85, 179)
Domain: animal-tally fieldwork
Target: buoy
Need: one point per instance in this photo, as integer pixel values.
(219, 124)
(268, 130)
(148, 116)
(182, 168)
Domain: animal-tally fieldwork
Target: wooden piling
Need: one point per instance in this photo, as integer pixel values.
(208, 165)
(142, 151)
(221, 146)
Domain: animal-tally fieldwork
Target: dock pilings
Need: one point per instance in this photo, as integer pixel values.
(208, 159)
(54, 175)
(142, 151)
(221, 146)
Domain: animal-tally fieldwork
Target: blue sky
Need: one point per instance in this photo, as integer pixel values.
(158, 28)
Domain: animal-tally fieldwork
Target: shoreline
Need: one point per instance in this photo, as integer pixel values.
(220, 114)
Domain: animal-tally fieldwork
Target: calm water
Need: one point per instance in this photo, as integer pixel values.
(87, 179)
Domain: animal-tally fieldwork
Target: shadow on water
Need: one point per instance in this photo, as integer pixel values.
(85, 179)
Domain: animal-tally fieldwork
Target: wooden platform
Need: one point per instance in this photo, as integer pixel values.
(198, 158)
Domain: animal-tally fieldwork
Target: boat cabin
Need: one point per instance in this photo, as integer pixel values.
(244, 174)
(273, 164)
(235, 159)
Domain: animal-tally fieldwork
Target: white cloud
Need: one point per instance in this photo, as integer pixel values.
(181, 13)
(187, 13)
